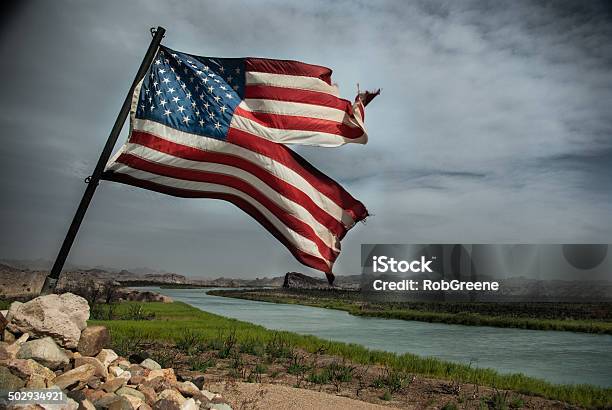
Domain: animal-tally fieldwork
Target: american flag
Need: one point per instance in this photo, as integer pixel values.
(208, 127)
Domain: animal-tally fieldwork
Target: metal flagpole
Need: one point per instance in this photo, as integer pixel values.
(93, 180)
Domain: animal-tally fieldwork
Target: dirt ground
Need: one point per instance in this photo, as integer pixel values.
(276, 381)
(257, 396)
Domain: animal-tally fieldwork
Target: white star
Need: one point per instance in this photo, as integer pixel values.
(222, 87)
(188, 94)
(193, 104)
(158, 92)
(216, 80)
(237, 70)
(186, 120)
(167, 112)
(211, 114)
(217, 98)
(183, 86)
(163, 103)
(204, 80)
(152, 107)
(223, 108)
(172, 69)
(161, 71)
(228, 95)
(211, 74)
(174, 55)
(175, 99)
(229, 78)
(171, 90)
(146, 91)
(207, 105)
(217, 125)
(155, 84)
(221, 69)
(181, 108)
(210, 89)
(201, 96)
(205, 68)
(198, 72)
(197, 88)
(201, 122)
(157, 62)
(178, 78)
(165, 80)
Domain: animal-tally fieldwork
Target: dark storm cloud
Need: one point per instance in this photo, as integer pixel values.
(493, 125)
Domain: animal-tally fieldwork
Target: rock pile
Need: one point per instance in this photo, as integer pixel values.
(46, 344)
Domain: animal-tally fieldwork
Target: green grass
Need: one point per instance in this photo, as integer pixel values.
(356, 308)
(173, 319)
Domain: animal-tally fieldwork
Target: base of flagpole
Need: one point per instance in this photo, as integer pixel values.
(49, 286)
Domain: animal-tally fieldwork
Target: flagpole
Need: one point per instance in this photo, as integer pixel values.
(93, 180)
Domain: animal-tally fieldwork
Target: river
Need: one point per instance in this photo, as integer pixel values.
(559, 357)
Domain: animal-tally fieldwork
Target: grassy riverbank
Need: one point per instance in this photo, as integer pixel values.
(543, 316)
(180, 323)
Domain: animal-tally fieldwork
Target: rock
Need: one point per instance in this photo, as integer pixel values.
(94, 382)
(210, 395)
(138, 357)
(220, 406)
(93, 340)
(121, 404)
(125, 375)
(124, 364)
(167, 374)
(172, 395)
(187, 389)
(11, 310)
(8, 381)
(145, 406)
(199, 381)
(94, 395)
(36, 382)
(105, 400)
(86, 405)
(28, 368)
(61, 317)
(107, 356)
(165, 404)
(44, 351)
(130, 392)
(113, 385)
(3, 321)
(135, 402)
(150, 364)
(115, 370)
(78, 374)
(136, 380)
(148, 392)
(8, 337)
(101, 370)
(6, 352)
(189, 404)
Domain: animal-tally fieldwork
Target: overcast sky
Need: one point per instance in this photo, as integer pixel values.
(494, 125)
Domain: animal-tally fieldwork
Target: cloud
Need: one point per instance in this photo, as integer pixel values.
(492, 126)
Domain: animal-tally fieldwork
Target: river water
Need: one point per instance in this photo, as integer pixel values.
(559, 357)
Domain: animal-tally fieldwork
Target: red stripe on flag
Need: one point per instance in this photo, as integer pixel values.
(282, 187)
(290, 159)
(286, 218)
(268, 92)
(303, 257)
(293, 122)
(288, 67)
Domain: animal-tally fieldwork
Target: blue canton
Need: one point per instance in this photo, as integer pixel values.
(193, 94)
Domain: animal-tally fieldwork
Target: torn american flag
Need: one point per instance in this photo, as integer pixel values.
(207, 127)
